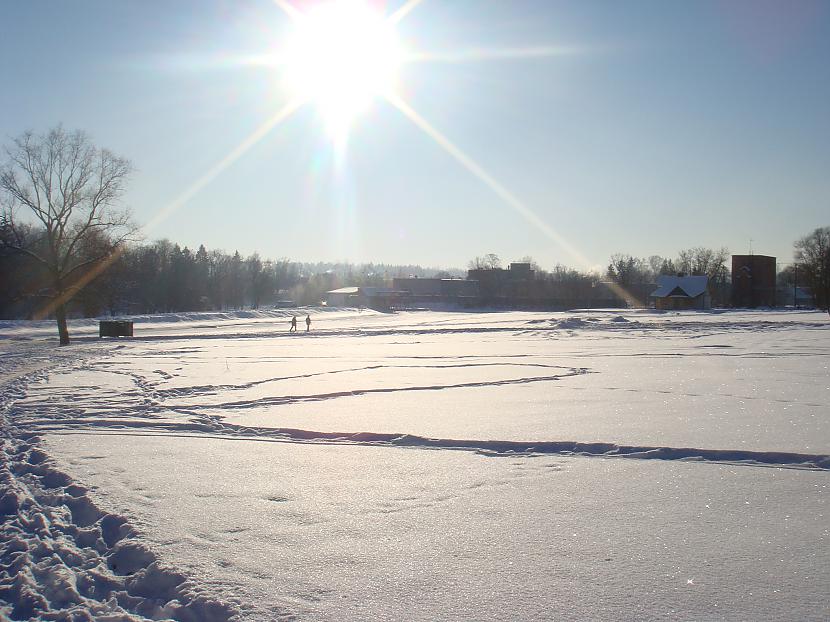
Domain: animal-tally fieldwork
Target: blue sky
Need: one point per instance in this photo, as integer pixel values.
(657, 126)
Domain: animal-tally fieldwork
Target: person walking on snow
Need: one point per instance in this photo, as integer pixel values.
(307, 323)
(293, 328)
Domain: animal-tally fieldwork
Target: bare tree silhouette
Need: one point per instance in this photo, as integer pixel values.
(60, 198)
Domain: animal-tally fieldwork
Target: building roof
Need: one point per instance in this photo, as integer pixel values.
(369, 291)
(680, 286)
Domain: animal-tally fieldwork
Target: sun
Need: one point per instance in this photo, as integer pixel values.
(341, 55)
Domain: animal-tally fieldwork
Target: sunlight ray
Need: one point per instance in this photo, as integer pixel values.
(474, 168)
(289, 9)
(507, 196)
(237, 152)
(483, 54)
(98, 268)
(403, 11)
(623, 293)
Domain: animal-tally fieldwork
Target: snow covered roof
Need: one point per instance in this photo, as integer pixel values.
(370, 291)
(345, 290)
(683, 286)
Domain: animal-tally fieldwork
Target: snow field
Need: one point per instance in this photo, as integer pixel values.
(585, 465)
(328, 531)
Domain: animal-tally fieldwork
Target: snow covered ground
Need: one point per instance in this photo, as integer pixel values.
(420, 465)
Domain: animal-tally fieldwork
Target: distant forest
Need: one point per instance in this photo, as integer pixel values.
(163, 277)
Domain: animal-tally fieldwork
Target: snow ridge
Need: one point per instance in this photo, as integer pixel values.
(209, 426)
(817, 462)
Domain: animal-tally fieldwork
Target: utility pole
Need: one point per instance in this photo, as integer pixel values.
(795, 286)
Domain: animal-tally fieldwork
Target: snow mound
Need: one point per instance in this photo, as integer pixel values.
(65, 559)
(572, 323)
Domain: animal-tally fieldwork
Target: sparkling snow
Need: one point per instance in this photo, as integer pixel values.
(422, 465)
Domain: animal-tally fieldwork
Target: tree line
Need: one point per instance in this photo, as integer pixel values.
(163, 277)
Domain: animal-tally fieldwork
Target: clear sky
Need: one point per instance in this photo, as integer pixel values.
(600, 127)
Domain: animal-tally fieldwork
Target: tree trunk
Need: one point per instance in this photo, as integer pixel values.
(63, 331)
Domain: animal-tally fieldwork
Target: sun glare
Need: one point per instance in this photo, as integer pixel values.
(341, 55)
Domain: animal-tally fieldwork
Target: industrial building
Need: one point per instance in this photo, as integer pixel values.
(753, 281)
(423, 291)
(372, 297)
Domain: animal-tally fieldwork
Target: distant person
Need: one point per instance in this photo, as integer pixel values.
(307, 323)
(293, 328)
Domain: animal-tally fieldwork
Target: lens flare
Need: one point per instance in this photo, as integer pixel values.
(341, 55)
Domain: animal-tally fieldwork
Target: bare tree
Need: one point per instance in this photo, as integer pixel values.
(703, 261)
(69, 190)
(812, 252)
(490, 261)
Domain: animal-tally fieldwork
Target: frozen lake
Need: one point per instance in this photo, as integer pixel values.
(426, 465)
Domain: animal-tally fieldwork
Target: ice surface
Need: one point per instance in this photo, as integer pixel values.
(421, 465)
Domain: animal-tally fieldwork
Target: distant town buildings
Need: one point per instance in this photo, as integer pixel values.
(517, 286)
(753, 284)
(372, 297)
(498, 286)
(344, 297)
(420, 290)
(408, 292)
